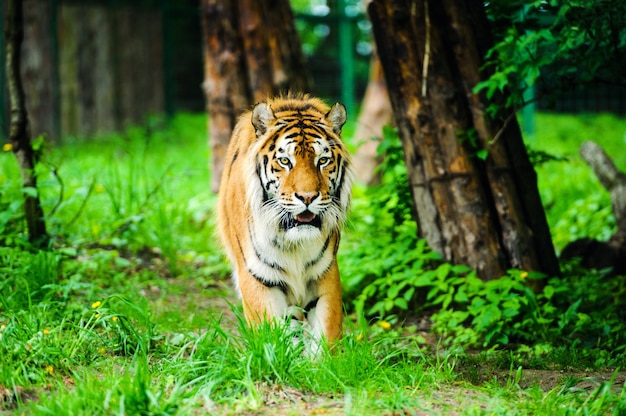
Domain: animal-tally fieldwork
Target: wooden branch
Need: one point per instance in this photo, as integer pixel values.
(92, 185)
(602, 165)
(614, 181)
(55, 172)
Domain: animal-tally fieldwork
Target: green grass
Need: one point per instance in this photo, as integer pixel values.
(132, 311)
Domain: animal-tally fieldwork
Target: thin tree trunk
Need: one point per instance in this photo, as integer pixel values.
(225, 80)
(18, 132)
(473, 211)
(375, 113)
(251, 51)
(289, 67)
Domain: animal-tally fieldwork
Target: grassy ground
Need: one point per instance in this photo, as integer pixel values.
(133, 313)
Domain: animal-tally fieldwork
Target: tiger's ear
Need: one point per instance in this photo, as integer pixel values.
(336, 117)
(262, 116)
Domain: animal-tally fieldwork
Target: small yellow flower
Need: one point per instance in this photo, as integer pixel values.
(97, 315)
(7, 147)
(114, 318)
(359, 337)
(102, 350)
(46, 331)
(49, 369)
(3, 327)
(96, 304)
(523, 275)
(384, 325)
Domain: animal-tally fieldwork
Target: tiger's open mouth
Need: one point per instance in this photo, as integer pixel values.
(306, 218)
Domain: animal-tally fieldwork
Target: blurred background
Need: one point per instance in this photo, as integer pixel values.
(93, 66)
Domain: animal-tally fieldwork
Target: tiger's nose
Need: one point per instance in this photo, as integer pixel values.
(306, 197)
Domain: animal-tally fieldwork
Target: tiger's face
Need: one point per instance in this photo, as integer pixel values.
(302, 166)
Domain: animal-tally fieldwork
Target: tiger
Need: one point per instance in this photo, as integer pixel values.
(283, 199)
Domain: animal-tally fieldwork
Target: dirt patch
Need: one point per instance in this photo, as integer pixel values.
(9, 398)
(189, 304)
(275, 400)
(568, 379)
(546, 380)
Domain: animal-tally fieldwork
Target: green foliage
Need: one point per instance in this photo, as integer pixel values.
(44, 330)
(396, 275)
(150, 202)
(554, 46)
(581, 308)
(27, 278)
(539, 157)
(11, 210)
(591, 216)
(380, 269)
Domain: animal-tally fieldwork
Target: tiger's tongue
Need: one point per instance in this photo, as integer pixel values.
(305, 217)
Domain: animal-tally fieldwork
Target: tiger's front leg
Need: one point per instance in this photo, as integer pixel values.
(260, 302)
(326, 318)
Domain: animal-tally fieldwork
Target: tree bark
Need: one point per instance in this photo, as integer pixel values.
(251, 51)
(225, 80)
(375, 113)
(19, 137)
(483, 213)
(512, 179)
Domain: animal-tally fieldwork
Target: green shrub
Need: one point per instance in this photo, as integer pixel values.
(392, 274)
(377, 271)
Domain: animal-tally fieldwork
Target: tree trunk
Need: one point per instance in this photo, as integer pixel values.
(475, 208)
(375, 113)
(18, 132)
(251, 51)
(225, 79)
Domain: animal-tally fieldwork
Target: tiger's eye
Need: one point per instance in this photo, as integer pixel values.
(284, 161)
(323, 160)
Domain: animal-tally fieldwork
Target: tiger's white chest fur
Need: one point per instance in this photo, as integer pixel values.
(292, 266)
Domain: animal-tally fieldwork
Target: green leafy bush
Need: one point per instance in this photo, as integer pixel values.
(378, 271)
(553, 46)
(11, 211)
(392, 275)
